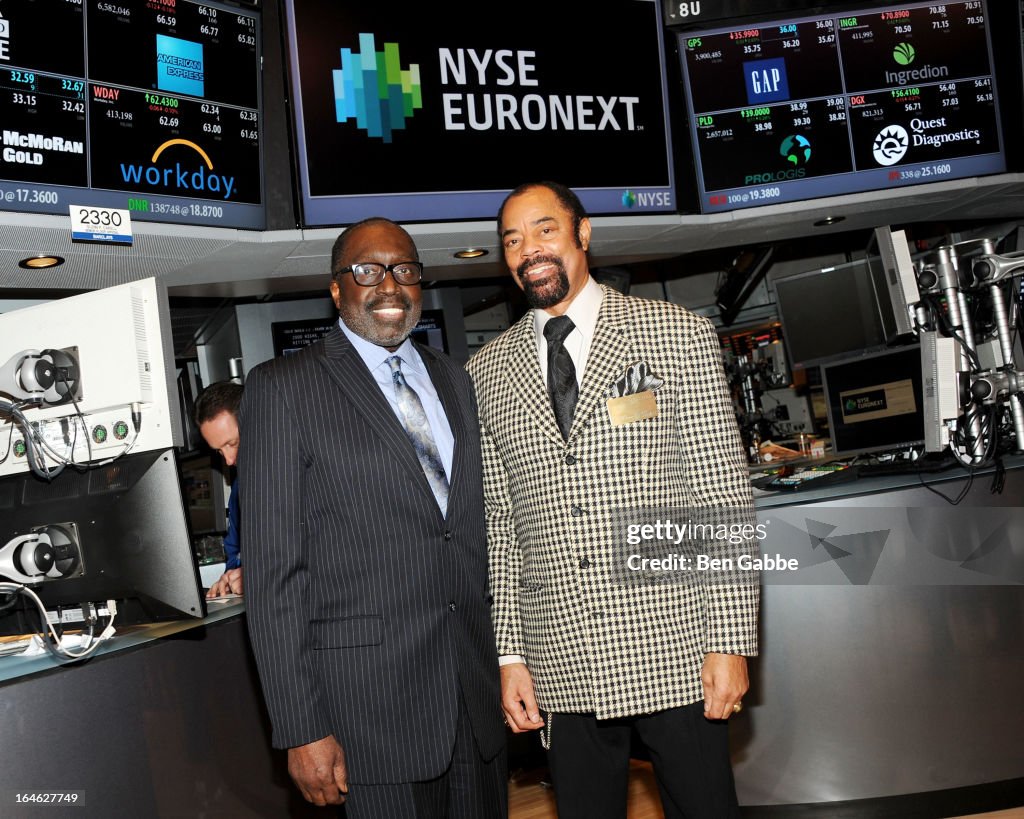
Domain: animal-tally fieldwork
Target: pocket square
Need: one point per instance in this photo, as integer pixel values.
(637, 378)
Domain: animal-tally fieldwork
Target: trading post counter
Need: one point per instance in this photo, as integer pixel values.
(891, 659)
(166, 721)
(888, 681)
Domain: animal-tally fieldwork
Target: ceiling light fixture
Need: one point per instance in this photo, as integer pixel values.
(471, 253)
(40, 261)
(830, 220)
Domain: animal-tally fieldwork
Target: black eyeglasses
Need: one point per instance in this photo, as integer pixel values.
(369, 274)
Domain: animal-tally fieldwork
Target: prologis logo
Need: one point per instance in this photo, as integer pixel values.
(178, 178)
(796, 149)
(372, 88)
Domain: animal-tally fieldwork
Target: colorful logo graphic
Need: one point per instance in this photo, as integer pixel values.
(178, 178)
(372, 88)
(890, 145)
(766, 80)
(628, 198)
(796, 149)
(179, 66)
(904, 54)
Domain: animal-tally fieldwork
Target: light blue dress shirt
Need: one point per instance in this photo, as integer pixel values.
(416, 376)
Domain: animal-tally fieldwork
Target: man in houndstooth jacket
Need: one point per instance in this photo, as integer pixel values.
(600, 655)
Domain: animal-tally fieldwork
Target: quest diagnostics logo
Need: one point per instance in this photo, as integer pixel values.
(890, 146)
(183, 177)
(372, 88)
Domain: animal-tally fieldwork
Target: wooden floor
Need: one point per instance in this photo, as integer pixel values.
(530, 799)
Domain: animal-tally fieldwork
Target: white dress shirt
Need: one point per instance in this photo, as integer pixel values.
(583, 311)
(417, 377)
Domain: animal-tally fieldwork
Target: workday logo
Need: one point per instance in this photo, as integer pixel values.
(181, 178)
(179, 66)
(372, 87)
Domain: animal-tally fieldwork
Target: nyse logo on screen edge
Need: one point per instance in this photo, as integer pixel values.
(646, 199)
(372, 88)
(180, 171)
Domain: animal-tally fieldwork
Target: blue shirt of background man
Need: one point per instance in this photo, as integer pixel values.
(232, 550)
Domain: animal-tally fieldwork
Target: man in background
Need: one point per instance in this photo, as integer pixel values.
(216, 415)
(366, 555)
(594, 407)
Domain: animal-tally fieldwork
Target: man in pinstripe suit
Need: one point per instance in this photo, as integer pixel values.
(366, 569)
(636, 416)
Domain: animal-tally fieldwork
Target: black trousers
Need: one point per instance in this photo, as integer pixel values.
(470, 789)
(589, 762)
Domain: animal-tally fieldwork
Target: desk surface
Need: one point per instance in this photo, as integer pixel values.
(872, 485)
(16, 666)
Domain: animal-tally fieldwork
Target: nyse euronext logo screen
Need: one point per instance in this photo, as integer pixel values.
(372, 88)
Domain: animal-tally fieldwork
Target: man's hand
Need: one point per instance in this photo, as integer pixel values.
(229, 583)
(318, 770)
(517, 699)
(725, 682)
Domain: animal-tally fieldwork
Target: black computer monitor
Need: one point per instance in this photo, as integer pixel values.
(128, 519)
(875, 401)
(202, 485)
(829, 313)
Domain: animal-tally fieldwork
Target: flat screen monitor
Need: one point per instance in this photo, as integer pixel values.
(127, 522)
(202, 485)
(420, 113)
(123, 396)
(793, 106)
(829, 313)
(150, 107)
(875, 402)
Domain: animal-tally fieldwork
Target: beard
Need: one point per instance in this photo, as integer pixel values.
(389, 333)
(546, 292)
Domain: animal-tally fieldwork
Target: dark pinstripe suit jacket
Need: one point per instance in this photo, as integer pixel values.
(367, 611)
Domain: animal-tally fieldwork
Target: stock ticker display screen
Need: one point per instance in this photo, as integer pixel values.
(147, 105)
(841, 103)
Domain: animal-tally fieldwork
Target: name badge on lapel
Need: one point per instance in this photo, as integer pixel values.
(630, 408)
(632, 395)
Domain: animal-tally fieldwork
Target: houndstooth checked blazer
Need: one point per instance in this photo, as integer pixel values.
(592, 643)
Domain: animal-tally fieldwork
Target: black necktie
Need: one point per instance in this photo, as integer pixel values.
(561, 372)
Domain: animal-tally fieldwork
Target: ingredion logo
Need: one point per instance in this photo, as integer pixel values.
(178, 178)
(904, 54)
(372, 88)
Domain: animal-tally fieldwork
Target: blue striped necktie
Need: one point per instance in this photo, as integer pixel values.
(414, 419)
